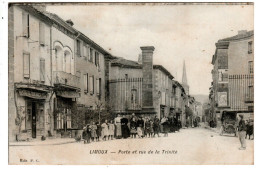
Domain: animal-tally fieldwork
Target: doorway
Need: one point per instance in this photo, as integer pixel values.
(34, 120)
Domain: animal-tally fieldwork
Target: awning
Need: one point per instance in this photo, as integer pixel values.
(68, 94)
(32, 94)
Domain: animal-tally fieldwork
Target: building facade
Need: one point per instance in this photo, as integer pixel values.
(30, 87)
(233, 86)
(140, 87)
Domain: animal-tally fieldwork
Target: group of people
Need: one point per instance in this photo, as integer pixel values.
(134, 127)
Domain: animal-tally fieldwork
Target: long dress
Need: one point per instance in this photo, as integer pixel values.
(133, 126)
(104, 131)
(125, 129)
(140, 128)
(94, 131)
(118, 126)
(156, 125)
(111, 129)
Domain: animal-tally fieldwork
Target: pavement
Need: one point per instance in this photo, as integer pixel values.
(39, 142)
(189, 146)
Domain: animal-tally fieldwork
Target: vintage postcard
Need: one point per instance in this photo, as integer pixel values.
(131, 83)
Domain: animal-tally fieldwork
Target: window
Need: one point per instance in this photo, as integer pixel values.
(250, 47)
(251, 92)
(41, 34)
(91, 55)
(126, 76)
(68, 118)
(26, 65)
(251, 67)
(42, 70)
(133, 96)
(78, 48)
(91, 87)
(26, 25)
(85, 83)
(85, 52)
(98, 83)
(59, 121)
(97, 59)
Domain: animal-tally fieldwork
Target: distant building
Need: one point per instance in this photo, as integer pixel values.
(140, 88)
(233, 75)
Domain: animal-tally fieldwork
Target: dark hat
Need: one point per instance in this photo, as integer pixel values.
(242, 116)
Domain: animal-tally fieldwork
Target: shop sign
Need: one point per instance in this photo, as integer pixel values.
(32, 94)
(68, 94)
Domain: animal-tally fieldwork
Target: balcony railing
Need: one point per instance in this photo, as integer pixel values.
(66, 79)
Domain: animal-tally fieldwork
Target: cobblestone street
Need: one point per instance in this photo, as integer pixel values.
(189, 146)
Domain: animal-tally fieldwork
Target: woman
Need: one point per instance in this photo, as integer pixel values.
(98, 131)
(118, 126)
(165, 124)
(156, 126)
(104, 131)
(133, 127)
(111, 128)
(93, 131)
(140, 127)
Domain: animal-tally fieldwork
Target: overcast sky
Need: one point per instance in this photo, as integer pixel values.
(178, 33)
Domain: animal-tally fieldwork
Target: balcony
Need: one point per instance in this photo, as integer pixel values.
(66, 80)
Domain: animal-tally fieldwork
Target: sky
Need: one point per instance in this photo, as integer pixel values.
(178, 32)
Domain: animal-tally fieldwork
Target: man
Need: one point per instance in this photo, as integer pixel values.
(242, 132)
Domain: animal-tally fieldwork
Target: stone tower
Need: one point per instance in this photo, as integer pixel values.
(184, 79)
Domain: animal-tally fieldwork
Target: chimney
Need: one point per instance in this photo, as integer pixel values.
(40, 7)
(240, 32)
(69, 21)
(147, 86)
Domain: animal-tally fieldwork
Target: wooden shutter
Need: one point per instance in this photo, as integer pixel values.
(25, 24)
(42, 70)
(26, 65)
(93, 84)
(41, 33)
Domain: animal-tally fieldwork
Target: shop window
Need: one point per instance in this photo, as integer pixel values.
(26, 65)
(68, 118)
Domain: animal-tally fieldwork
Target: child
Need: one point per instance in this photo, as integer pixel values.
(98, 131)
(104, 131)
(111, 129)
(133, 127)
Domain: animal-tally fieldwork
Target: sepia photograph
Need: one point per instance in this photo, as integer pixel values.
(131, 83)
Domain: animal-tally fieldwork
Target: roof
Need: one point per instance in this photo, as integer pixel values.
(238, 36)
(121, 62)
(81, 35)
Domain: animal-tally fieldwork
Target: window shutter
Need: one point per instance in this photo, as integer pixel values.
(42, 70)
(97, 83)
(26, 65)
(25, 24)
(41, 34)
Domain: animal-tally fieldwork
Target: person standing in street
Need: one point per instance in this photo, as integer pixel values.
(93, 131)
(156, 126)
(140, 127)
(125, 129)
(133, 129)
(242, 132)
(118, 126)
(105, 132)
(111, 128)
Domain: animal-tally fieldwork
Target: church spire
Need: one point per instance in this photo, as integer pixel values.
(184, 79)
(184, 76)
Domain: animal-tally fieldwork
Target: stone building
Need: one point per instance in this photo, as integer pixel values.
(30, 75)
(233, 75)
(140, 87)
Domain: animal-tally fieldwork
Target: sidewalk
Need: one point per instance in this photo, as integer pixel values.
(48, 141)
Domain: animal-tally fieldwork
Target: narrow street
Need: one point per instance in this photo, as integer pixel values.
(189, 146)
